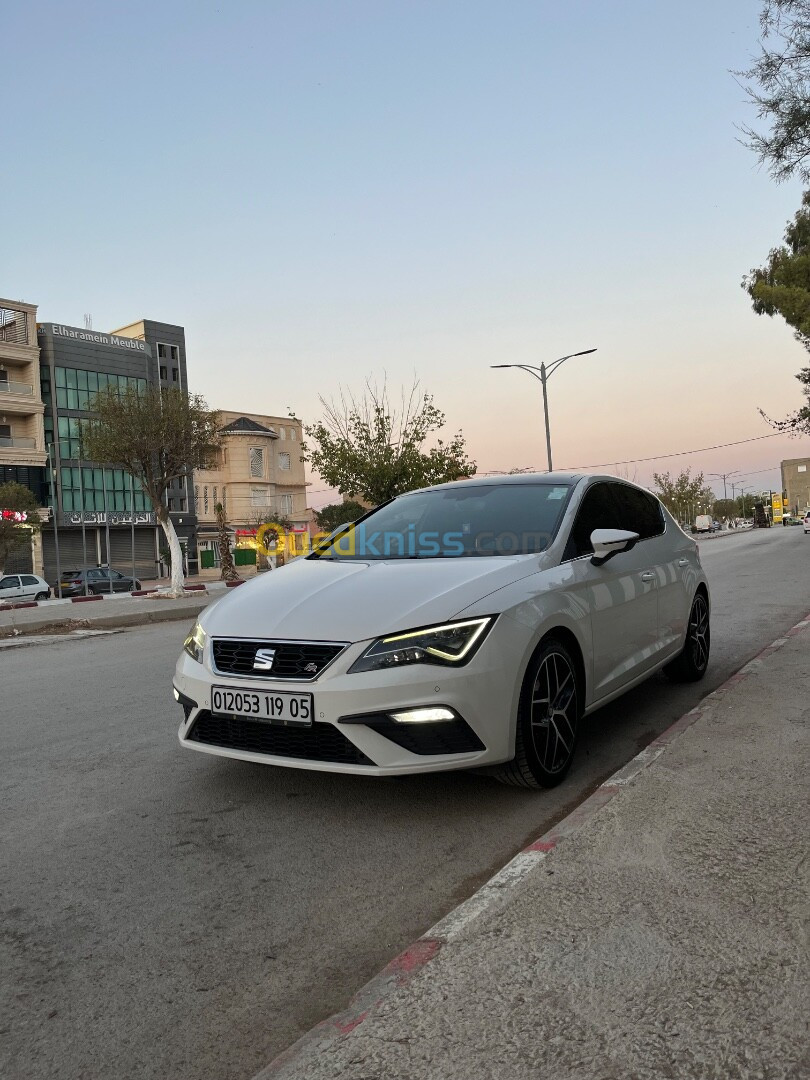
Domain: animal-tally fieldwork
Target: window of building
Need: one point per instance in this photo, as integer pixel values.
(177, 505)
(284, 461)
(70, 437)
(224, 501)
(175, 375)
(5, 431)
(161, 351)
(283, 433)
(292, 433)
(258, 496)
(286, 504)
(196, 498)
(205, 499)
(96, 489)
(75, 387)
(163, 372)
(175, 354)
(256, 461)
(215, 499)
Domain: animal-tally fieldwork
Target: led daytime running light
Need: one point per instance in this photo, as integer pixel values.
(479, 624)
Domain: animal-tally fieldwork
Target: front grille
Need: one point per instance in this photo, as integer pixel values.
(445, 737)
(321, 742)
(303, 660)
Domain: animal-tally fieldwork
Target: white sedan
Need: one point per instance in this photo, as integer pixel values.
(469, 625)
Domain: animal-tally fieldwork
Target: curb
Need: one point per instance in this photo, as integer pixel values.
(417, 956)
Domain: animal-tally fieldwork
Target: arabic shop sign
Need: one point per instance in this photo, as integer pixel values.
(108, 517)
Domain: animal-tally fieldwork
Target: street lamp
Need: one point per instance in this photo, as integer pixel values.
(544, 373)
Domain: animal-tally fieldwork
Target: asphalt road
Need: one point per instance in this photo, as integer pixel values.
(169, 915)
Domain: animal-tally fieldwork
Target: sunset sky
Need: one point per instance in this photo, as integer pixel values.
(320, 191)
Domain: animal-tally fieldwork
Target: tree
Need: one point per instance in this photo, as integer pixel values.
(782, 287)
(724, 508)
(158, 436)
(279, 524)
(683, 496)
(366, 447)
(329, 517)
(227, 571)
(779, 87)
(18, 515)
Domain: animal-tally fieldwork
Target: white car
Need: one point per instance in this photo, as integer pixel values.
(16, 587)
(806, 522)
(463, 626)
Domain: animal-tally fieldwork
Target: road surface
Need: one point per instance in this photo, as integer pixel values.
(176, 916)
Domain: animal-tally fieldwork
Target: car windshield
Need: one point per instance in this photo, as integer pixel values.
(469, 520)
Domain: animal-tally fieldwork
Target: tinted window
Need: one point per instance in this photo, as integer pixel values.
(597, 511)
(28, 580)
(469, 520)
(115, 575)
(639, 512)
(9, 583)
(95, 575)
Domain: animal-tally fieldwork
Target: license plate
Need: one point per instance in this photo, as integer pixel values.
(276, 707)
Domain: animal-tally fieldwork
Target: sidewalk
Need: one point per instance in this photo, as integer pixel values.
(659, 931)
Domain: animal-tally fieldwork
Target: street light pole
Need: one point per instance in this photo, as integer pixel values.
(544, 373)
(724, 477)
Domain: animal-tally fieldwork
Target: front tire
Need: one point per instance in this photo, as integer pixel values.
(548, 721)
(691, 665)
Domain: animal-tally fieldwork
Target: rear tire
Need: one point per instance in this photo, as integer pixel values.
(691, 665)
(549, 712)
(42, 596)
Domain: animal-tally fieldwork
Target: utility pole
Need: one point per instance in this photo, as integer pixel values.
(724, 477)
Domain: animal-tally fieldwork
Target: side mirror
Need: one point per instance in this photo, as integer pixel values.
(609, 542)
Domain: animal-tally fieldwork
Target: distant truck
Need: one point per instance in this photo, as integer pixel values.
(761, 519)
(703, 523)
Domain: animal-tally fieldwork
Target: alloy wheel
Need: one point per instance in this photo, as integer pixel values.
(699, 632)
(554, 712)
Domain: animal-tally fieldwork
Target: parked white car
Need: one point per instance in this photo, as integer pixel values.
(15, 587)
(806, 522)
(468, 625)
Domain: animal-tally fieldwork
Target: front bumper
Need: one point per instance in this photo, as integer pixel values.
(483, 693)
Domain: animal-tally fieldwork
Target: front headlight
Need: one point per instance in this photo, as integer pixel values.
(195, 643)
(452, 644)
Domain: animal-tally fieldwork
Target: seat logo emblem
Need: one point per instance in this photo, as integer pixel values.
(264, 659)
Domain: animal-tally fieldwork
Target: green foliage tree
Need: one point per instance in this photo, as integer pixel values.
(366, 447)
(779, 88)
(329, 517)
(782, 287)
(684, 496)
(156, 435)
(724, 508)
(18, 516)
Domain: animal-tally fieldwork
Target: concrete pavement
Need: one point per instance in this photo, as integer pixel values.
(659, 931)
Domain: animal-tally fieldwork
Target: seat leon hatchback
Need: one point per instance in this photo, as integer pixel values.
(469, 625)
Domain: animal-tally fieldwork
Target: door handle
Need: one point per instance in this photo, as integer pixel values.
(648, 576)
(683, 562)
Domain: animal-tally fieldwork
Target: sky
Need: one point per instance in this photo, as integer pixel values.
(325, 191)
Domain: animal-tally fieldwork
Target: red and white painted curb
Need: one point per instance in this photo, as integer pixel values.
(208, 587)
(410, 962)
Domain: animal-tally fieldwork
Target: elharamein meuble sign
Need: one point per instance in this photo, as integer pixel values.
(108, 517)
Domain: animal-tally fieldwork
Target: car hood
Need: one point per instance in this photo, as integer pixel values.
(324, 600)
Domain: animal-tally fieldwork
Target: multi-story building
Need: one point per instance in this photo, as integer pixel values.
(102, 515)
(22, 433)
(796, 484)
(260, 474)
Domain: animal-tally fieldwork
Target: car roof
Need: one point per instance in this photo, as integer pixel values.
(499, 479)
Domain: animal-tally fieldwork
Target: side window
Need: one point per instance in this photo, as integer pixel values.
(28, 580)
(94, 575)
(639, 512)
(115, 575)
(9, 582)
(597, 511)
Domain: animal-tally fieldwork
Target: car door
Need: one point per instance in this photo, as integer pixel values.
(9, 588)
(669, 553)
(621, 596)
(119, 582)
(29, 586)
(96, 581)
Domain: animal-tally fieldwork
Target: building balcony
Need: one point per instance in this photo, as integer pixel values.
(19, 442)
(23, 389)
